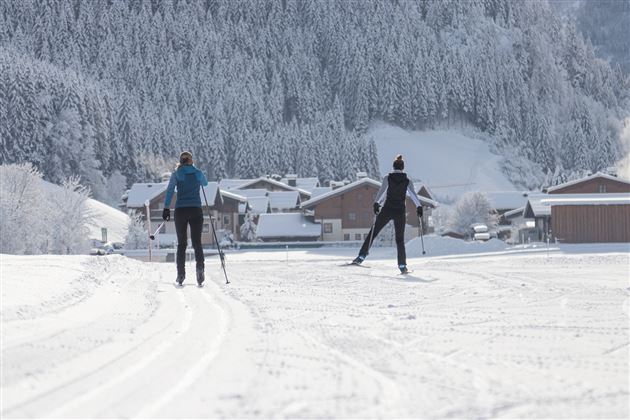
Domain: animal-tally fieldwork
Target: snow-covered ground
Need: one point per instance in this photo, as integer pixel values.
(447, 161)
(297, 335)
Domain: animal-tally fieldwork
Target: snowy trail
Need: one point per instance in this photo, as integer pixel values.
(295, 335)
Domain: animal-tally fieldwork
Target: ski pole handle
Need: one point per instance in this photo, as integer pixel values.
(157, 230)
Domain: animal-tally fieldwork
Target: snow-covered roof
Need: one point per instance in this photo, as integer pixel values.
(284, 200)
(211, 193)
(142, 192)
(254, 192)
(586, 199)
(273, 182)
(514, 213)
(283, 225)
(259, 205)
(319, 191)
(305, 183)
(534, 207)
(233, 196)
(501, 200)
(341, 190)
(228, 184)
(588, 178)
(418, 185)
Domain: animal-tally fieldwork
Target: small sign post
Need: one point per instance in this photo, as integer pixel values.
(146, 205)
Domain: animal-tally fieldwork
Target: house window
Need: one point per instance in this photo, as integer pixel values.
(602, 188)
(352, 216)
(365, 235)
(226, 220)
(346, 236)
(206, 228)
(357, 236)
(328, 228)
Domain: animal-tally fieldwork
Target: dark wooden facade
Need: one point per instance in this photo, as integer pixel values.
(353, 207)
(595, 185)
(591, 223)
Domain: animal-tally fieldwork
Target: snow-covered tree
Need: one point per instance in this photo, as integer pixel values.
(471, 208)
(23, 210)
(248, 228)
(68, 218)
(137, 236)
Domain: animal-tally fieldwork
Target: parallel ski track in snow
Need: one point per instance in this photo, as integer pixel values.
(158, 367)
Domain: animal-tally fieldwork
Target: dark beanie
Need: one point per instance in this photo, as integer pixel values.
(399, 163)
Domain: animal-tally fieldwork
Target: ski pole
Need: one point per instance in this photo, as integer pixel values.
(372, 232)
(152, 237)
(421, 234)
(214, 233)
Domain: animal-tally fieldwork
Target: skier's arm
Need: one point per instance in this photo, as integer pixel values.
(170, 190)
(412, 193)
(382, 193)
(201, 178)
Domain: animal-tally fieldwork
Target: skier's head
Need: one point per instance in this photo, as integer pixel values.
(185, 158)
(399, 163)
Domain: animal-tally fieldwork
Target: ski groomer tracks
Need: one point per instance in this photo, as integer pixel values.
(131, 345)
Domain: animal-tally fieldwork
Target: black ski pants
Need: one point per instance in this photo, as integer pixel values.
(399, 217)
(185, 216)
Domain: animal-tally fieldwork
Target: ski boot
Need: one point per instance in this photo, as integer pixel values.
(358, 260)
(200, 277)
(180, 279)
(403, 269)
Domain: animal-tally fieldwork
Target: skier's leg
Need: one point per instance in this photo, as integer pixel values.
(196, 226)
(399, 228)
(181, 224)
(381, 221)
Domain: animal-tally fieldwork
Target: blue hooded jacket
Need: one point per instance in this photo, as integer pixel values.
(188, 180)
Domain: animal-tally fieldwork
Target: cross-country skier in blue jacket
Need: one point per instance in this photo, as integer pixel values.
(390, 205)
(188, 180)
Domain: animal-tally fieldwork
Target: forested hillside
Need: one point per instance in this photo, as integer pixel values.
(264, 86)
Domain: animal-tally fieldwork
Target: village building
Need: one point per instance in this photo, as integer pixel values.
(591, 209)
(345, 213)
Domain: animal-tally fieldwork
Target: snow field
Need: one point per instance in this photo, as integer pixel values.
(448, 162)
(297, 335)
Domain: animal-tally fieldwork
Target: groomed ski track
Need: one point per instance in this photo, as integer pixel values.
(295, 335)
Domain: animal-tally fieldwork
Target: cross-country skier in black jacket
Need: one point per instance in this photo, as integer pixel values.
(394, 189)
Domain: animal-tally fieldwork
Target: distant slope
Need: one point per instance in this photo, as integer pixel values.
(102, 216)
(448, 162)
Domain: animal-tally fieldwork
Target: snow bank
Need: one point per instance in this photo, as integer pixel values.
(444, 245)
(448, 162)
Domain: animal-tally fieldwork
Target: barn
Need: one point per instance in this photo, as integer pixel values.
(592, 209)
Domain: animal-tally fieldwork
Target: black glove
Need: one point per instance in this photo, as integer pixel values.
(419, 211)
(377, 208)
(166, 214)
